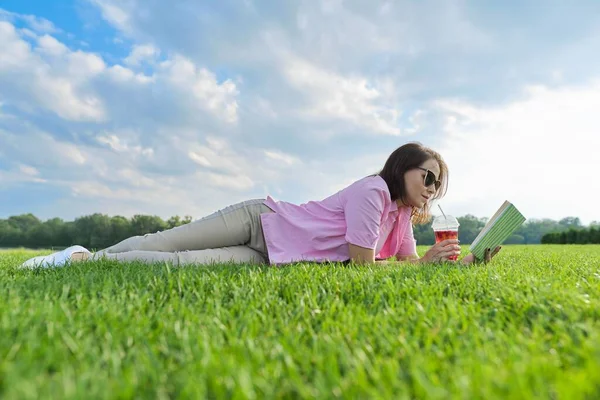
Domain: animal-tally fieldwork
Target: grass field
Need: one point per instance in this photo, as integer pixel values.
(526, 326)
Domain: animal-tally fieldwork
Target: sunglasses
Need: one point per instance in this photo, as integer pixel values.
(430, 179)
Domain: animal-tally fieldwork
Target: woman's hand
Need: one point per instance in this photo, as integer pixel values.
(487, 256)
(442, 251)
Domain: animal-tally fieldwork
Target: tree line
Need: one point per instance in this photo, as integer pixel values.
(98, 231)
(573, 236)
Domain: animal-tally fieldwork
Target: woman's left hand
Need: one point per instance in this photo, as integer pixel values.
(487, 256)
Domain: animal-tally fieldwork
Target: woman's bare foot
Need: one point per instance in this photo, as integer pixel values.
(80, 256)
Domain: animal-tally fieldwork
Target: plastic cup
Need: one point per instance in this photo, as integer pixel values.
(445, 228)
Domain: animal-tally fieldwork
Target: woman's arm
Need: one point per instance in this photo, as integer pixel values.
(363, 216)
(361, 255)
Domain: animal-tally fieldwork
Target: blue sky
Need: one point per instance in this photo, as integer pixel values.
(154, 107)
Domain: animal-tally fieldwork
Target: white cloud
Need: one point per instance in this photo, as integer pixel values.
(98, 190)
(13, 51)
(199, 159)
(416, 120)
(120, 146)
(120, 185)
(37, 24)
(51, 76)
(33, 80)
(539, 152)
(40, 151)
(347, 98)
(140, 54)
(202, 86)
(280, 157)
(120, 75)
(220, 156)
(10, 177)
(137, 179)
(41, 25)
(28, 170)
(344, 61)
(117, 14)
(217, 144)
(28, 33)
(264, 108)
(236, 182)
(49, 45)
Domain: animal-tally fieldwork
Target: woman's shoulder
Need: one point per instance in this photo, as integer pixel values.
(371, 182)
(367, 181)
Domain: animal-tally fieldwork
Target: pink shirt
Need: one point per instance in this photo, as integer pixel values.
(321, 230)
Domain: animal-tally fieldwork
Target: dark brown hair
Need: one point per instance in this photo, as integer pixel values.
(404, 159)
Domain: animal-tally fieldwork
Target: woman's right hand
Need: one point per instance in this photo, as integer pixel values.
(442, 251)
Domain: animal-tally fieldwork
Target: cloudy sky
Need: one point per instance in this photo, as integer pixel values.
(181, 108)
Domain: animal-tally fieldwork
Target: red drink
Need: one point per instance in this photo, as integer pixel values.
(445, 227)
(446, 234)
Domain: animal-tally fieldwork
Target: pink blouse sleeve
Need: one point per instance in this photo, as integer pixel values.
(409, 244)
(363, 213)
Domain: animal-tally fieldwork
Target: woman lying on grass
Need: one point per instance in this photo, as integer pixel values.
(368, 222)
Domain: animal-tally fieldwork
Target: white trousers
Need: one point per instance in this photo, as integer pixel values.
(233, 234)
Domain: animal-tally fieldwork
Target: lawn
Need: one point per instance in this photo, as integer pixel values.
(526, 326)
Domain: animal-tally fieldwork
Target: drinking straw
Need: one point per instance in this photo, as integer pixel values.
(442, 211)
(444, 214)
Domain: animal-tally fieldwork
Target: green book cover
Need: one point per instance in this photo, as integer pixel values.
(502, 224)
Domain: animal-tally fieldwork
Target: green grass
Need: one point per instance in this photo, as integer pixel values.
(526, 326)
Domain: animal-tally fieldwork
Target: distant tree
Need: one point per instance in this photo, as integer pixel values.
(177, 221)
(93, 231)
(582, 236)
(10, 236)
(594, 235)
(60, 232)
(173, 222)
(563, 238)
(424, 234)
(570, 222)
(142, 224)
(515, 239)
(24, 222)
(39, 236)
(572, 236)
(550, 238)
(469, 228)
(121, 229)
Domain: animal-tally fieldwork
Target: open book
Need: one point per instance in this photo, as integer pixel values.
(504, 222)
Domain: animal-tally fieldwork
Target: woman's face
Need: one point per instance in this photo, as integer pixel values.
(414, 180)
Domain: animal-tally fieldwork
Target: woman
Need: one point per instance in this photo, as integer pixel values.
(367, 222)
